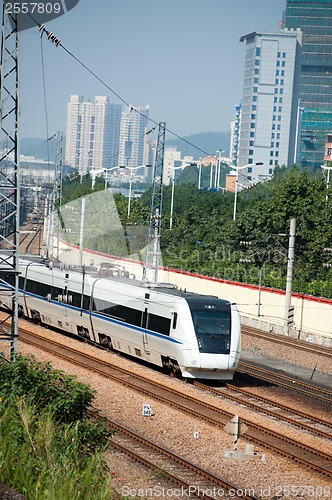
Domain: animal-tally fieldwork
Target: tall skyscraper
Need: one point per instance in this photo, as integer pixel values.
(268, 123)
(315, 20)
(93, 133)
(133, 139)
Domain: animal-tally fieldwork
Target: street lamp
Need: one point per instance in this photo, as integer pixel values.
(94, 173)
(199, 173)
(130, 185)
(211, 174)
(219, 166)
(109, 169)
(327, 181)
(172, 196)
(237, 181)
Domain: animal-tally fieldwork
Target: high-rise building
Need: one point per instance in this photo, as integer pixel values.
(133, 149)
(268, 125)
(172, 161)
(93, 133)
(314, 18)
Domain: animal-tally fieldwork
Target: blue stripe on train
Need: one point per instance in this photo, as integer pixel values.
(105, 318)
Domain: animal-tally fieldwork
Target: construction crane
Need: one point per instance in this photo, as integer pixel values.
(9, 181)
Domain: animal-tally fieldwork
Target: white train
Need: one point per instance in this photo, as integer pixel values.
(196, 336)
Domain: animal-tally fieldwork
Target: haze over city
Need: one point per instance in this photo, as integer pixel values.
(182, 58)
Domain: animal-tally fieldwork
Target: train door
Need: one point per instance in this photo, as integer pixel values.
(65, 295)
(145, 339)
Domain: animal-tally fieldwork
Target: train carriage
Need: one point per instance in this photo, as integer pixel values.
(193, 335)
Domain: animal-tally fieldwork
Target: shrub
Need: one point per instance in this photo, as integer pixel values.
(48, 449)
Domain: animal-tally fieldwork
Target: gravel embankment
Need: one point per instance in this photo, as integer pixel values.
(267, 475)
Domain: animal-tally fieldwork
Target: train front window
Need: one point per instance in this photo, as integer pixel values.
(213, 330)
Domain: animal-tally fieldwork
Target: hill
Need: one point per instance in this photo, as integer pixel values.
(205, 142)
(196, 145)
(40, 148)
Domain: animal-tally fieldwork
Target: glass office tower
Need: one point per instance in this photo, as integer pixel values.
(314, 17)
(268, 125)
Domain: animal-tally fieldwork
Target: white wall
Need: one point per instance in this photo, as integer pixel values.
(312, 315)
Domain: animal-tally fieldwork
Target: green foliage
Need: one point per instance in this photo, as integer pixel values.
(50, 389)
(74, 186)
(205, 239)
(208, 142)
(190, 175)
(48, 449)
(42, 459)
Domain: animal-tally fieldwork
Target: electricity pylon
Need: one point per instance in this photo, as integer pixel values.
(9, 181)
(55, 201)
(153, 244)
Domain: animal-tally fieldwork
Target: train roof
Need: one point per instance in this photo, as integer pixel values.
(165, 288)
(159, 287)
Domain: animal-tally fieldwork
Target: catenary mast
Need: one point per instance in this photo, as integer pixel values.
(9, 180)
(153, 245)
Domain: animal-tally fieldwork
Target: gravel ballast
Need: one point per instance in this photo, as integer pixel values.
(266, 475)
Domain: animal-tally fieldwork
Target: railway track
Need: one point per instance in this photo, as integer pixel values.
(303, 454)
(189, 477)
(274, 409)
(320, 393)
(30, 239)
(288, 341)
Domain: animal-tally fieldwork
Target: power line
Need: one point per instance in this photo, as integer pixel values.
(57, 42)
(45, 101)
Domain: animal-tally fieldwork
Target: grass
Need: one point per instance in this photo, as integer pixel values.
(42, 455)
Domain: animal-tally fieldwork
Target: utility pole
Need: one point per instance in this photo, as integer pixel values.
(9, 180)
(55, 201)
(153, 243)
(289, 278)
(81, 247)
(58, 186)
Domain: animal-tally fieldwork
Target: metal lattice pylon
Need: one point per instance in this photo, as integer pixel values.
(9, 182)
(152, 253)
(56, 200)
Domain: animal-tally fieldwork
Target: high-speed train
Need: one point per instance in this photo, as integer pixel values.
(188, 334)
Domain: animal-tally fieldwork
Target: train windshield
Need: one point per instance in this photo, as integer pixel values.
(212, 322)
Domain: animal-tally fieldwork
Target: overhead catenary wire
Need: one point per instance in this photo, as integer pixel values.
(29, 153)
(57, 42)
(45, 102)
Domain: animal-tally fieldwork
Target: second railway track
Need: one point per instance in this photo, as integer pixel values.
(288, 341)
(275, 409)
(193, 480)
(321, 393)
(297, 451)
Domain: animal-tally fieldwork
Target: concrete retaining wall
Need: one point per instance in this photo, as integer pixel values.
(312, 315)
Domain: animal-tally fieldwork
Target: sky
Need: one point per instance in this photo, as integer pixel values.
(183, 58)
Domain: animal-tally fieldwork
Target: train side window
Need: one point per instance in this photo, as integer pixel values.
(175, 320)
(144, 318)
(159, 324)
